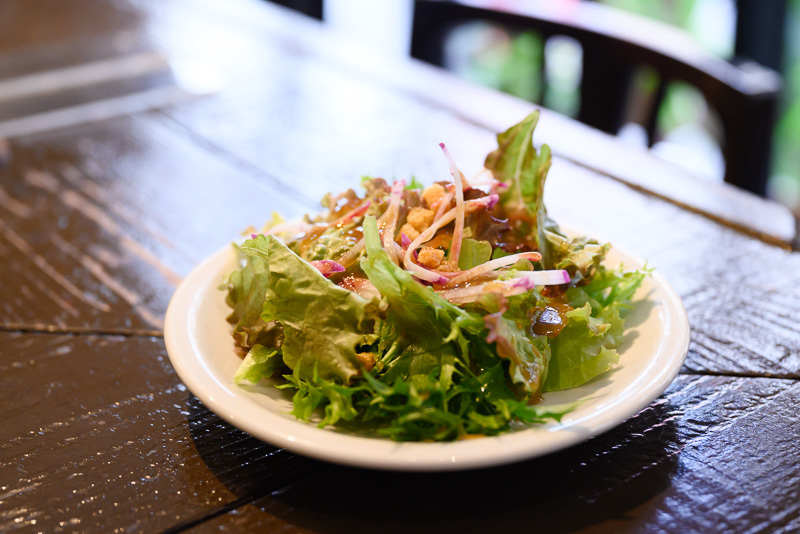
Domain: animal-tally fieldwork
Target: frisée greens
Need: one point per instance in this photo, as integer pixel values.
(430, 313)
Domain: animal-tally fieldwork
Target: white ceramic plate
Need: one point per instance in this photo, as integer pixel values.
(201, 349)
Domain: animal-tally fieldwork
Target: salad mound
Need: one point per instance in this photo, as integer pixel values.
(430, 313)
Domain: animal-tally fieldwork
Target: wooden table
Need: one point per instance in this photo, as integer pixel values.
(181, 124)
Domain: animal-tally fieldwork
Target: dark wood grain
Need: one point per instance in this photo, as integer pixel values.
(82, 446)
(741, 295)
(99, 434)
(687, 463)
(100, 223)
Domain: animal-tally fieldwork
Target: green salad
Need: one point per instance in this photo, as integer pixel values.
(430, 313)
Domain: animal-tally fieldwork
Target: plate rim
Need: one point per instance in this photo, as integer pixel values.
(308, 440)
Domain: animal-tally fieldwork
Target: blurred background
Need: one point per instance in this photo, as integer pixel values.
(687, 129)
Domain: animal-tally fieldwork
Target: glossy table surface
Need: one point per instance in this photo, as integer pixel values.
(141, 136)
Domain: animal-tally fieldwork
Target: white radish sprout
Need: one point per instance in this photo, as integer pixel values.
(458, 231)
(391, 219)
(473, 273)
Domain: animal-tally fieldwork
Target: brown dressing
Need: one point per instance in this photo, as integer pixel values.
(306, 240)
(354, 234)
(343, 203)
(550, 320)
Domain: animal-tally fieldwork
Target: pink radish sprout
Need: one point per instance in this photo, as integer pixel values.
(507, 288)
(327, 267)
(545, 278)
(465, 276)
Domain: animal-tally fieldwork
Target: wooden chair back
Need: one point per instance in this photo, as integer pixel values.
(615, 44)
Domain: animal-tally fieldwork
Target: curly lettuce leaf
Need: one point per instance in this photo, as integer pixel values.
(580, 256)
(313, 392)
(322, 323)
(528, 356)
(608, 288)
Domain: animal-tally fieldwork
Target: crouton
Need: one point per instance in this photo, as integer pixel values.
(420, 218)
(367, 359)
(447, 267)
(409, 230)
(430, 257)
(432, 195)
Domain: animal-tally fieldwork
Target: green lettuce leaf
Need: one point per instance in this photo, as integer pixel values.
(580, 256)
(586, 347)
(246, 290)
(608, 288)
(259, 363)
(330, 244)
(474, 253)
(414, 184)
(322, 323)
(528, 356)
(523, 170)
(424, 358)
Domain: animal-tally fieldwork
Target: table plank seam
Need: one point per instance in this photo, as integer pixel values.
(750, 232)
(78, 331)
(734, 374)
